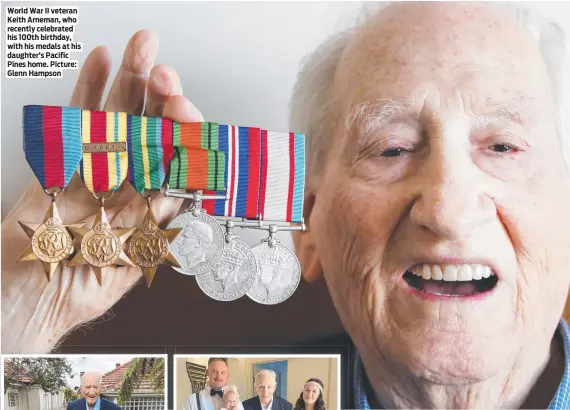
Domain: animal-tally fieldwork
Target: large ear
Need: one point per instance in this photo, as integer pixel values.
(305, 248)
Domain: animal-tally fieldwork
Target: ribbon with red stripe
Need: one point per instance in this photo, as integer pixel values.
(265, 175)
(243, 148)
(283, 178)
(52, 143)
(104, 171)
(149, 142)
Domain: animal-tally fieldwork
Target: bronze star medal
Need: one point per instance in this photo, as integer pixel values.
(101, 246)
(51, 241)
(149, 246)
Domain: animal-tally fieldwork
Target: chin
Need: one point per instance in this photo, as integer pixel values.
(447, 358)
(441, 341)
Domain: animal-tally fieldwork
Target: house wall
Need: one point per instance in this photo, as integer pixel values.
(32, 398)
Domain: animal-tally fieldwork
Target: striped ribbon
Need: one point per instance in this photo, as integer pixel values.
(104, 171)
(263, 171)
(283, 178)
(196, 135)
(51, 143)
(242, 146)
(265, 174)
(197, 169)
(149, 142)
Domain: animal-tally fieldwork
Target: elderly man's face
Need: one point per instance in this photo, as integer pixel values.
(265, 388)
(444, 180)
(90, 389)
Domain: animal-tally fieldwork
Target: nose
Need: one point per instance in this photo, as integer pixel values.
(451, 200)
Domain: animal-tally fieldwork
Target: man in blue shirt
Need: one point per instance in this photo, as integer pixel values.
(435, 211)
(91, 391)
(436, 201)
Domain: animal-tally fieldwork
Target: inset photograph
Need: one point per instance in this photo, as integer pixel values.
(249, 382)
(84, 382)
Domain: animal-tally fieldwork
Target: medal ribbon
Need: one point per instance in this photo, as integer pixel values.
(104, 171)
(51, 143)
(265, 174)
(197, 169)
(282, 178)
(243, 147)
(196, 135)
(149, 142)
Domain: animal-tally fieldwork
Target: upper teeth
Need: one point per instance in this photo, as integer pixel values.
(452, 273)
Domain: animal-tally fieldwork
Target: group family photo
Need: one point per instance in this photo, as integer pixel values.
(257, 383)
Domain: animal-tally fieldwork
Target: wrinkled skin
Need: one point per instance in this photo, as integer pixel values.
(265, 388)
(91, 389)
(37, 314)
(459, 188)
(455, 194)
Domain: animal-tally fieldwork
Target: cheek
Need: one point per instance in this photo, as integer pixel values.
(353, 223)
(538, 222)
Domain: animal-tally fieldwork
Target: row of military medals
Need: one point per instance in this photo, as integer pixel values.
(194, 243)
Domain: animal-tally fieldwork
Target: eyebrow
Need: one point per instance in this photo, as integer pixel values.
(368, 116)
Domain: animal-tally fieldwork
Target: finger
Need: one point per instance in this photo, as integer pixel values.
(92, 79)
(162, 84)
(180, 109)
(128, 89)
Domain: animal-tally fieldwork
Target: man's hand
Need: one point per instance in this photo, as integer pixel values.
(37, 314)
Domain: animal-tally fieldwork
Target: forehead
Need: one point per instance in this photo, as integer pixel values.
(217, 365)
(90, 380)
(265, 379)
(444, 53)
(230, 395)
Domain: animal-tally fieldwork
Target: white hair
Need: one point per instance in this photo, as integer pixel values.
(99, 377)
(265, 372)
(312, 100)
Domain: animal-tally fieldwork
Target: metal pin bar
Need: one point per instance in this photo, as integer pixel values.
(273, 228)
(196, 196)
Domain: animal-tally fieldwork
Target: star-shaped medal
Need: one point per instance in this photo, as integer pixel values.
(51, 241)
(101, 246)
(149, 247)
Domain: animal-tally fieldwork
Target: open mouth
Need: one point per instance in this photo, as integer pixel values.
(451, 280)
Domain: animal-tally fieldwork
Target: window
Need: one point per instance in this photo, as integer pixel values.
(145, 403)
(12, 400)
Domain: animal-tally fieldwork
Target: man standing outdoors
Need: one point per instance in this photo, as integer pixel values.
(266, 399)
(211, 396)
(91, 392)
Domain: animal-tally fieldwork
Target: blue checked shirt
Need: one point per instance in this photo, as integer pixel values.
(561, 399)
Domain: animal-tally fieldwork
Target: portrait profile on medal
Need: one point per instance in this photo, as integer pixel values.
(234, 274)
(279, 274)
(269, 280)
(227, 271)
(193, 243)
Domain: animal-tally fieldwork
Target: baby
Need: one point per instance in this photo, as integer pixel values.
(231, 398)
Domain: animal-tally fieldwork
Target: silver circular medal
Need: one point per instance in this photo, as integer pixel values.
(234, 274)
(199, 246)
(279, 274)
